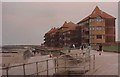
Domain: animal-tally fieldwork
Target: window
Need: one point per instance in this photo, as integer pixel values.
(63, 33)
(98, 18)
(99, 28)
(103, 28)
(90, 20)
(68, 38)
(99, 36)
(90, 28)
(83, 30)
(92, 37)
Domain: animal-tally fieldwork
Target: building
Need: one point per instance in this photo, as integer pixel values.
(64, 36)
(97, 28)
(68, 35)
(51, 38)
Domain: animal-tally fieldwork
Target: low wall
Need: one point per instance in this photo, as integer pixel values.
(108, 48)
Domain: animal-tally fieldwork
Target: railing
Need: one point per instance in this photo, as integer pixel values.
(84, 62)
(23, 66)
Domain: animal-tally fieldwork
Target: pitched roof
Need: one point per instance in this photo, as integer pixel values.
(97, 12)
(72, 26)
(68, 26)
(52, 30)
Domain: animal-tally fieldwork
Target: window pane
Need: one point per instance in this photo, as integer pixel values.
(99, 36)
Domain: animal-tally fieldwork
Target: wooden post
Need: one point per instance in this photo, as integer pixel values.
(47, 67)
(24, 69)
(93, 61)
(55, 65)
(7, 71)
(37, 68)
(84, 64)
(89, 63)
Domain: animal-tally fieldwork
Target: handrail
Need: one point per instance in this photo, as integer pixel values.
(26, 63)
(47, 69)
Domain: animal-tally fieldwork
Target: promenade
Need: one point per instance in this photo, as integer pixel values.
(106, 64)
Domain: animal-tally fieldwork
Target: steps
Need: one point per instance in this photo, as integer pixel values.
(80, 72)
(71, 73)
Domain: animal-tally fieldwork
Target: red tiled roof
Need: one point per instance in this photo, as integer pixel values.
(52, 30)
(65, 25)
(72, 26)
(97, 12)
(68, 26)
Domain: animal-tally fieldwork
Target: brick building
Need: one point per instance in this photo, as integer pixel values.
(64, 36)
(68, 35)
(51, 38)
(97, 28)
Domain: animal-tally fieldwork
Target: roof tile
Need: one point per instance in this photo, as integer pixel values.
(97, 12)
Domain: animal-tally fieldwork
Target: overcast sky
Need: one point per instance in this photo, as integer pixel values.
(26, 23)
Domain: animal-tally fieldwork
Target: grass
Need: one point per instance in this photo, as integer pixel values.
(111, 48)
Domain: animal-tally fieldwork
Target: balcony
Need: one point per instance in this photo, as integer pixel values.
(95, 23)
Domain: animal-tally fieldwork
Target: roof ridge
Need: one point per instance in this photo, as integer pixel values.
(97, 9)
(97, 12)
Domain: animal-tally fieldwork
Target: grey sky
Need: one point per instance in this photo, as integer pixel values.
(26, 23)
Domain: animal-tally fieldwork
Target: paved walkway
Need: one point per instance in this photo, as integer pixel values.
(106, 64)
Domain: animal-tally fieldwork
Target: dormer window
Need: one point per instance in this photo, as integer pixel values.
(98, 17)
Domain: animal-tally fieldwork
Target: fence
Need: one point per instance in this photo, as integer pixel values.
(52, 66)
(81, 64)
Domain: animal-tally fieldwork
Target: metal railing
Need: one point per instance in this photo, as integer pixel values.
(60, 63)
(84, 63)
(23, 66)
